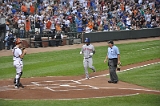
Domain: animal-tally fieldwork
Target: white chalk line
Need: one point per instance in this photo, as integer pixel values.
(147, 48)
(120, 71)
(127, 95)
(136, 89)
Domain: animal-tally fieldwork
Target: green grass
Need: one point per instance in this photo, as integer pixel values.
(69, 62)
(138, 100)
(148, 76)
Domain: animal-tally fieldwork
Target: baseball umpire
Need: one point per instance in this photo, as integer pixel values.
(113, 57)
(18, 54)
(88, 51)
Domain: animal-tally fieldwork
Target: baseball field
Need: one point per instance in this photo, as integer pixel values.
(56, 77)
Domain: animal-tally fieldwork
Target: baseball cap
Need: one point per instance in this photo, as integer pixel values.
(111, 42)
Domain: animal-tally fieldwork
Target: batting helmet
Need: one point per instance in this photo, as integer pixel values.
(87, 40)
(18, 41)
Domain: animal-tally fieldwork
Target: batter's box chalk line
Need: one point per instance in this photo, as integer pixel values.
(68, 86)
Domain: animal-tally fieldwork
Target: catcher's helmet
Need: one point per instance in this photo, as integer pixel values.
(18, 41)
(87, 40)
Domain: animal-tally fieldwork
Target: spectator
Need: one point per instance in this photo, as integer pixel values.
(27, 26)
(28, 3)
(6, 42)
(53, 29)
(128, 21)
(24, 9)
(11, 41)
(148, 25)
(90, 24)
(37, 25)
(58, 27)
(106, 26)
(153, 23)
(100, 28)
(71, 13)
(37, 37)
(67, 24)
(22, 28)
(32, 9)
(15, 27)
(59, 38)
(147, 16)
(79, 26)
(121, 25)
(48, 24)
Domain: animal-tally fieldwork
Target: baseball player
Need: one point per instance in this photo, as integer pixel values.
(18, 55)
(88, 51)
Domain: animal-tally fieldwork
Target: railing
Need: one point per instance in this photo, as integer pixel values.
(49, 40)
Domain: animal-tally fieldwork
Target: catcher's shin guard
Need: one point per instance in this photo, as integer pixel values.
(14, 81)
(17, 80)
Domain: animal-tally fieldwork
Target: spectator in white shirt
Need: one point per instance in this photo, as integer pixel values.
(148, 17)
(128, 21)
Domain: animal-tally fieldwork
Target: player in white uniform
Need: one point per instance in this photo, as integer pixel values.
(88, 51)
(18, 55)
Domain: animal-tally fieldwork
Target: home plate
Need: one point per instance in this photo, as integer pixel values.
(66, 85)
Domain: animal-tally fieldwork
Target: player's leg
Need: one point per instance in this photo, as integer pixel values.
(85, 64)
(18, 75)
(112, 71)
(20, 84)
(90, 62)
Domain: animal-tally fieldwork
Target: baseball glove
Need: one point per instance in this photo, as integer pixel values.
(119, 67)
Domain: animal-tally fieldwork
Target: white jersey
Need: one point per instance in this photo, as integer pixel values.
(16, 54)
(86, 50)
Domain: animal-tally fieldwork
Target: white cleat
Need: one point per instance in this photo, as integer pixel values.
(16, 87)
(87, 78)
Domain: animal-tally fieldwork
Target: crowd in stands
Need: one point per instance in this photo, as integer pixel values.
(24, 16)
(80, 15)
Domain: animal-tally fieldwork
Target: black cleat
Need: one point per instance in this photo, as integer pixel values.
(14, 81)
(110, 81)
(115, 82)
(20, 85)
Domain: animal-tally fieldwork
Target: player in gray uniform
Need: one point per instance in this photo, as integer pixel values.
(88, 51)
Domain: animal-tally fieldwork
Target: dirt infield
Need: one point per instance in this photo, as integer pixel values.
(74, 87)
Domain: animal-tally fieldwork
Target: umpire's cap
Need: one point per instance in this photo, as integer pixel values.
(87, 40)
(111, 42)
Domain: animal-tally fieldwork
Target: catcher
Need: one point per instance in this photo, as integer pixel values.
(18, 54)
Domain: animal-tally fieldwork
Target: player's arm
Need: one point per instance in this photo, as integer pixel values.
(22, 53)
(81, 52)
(118, 55)
(93, 51)
(106, 58)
